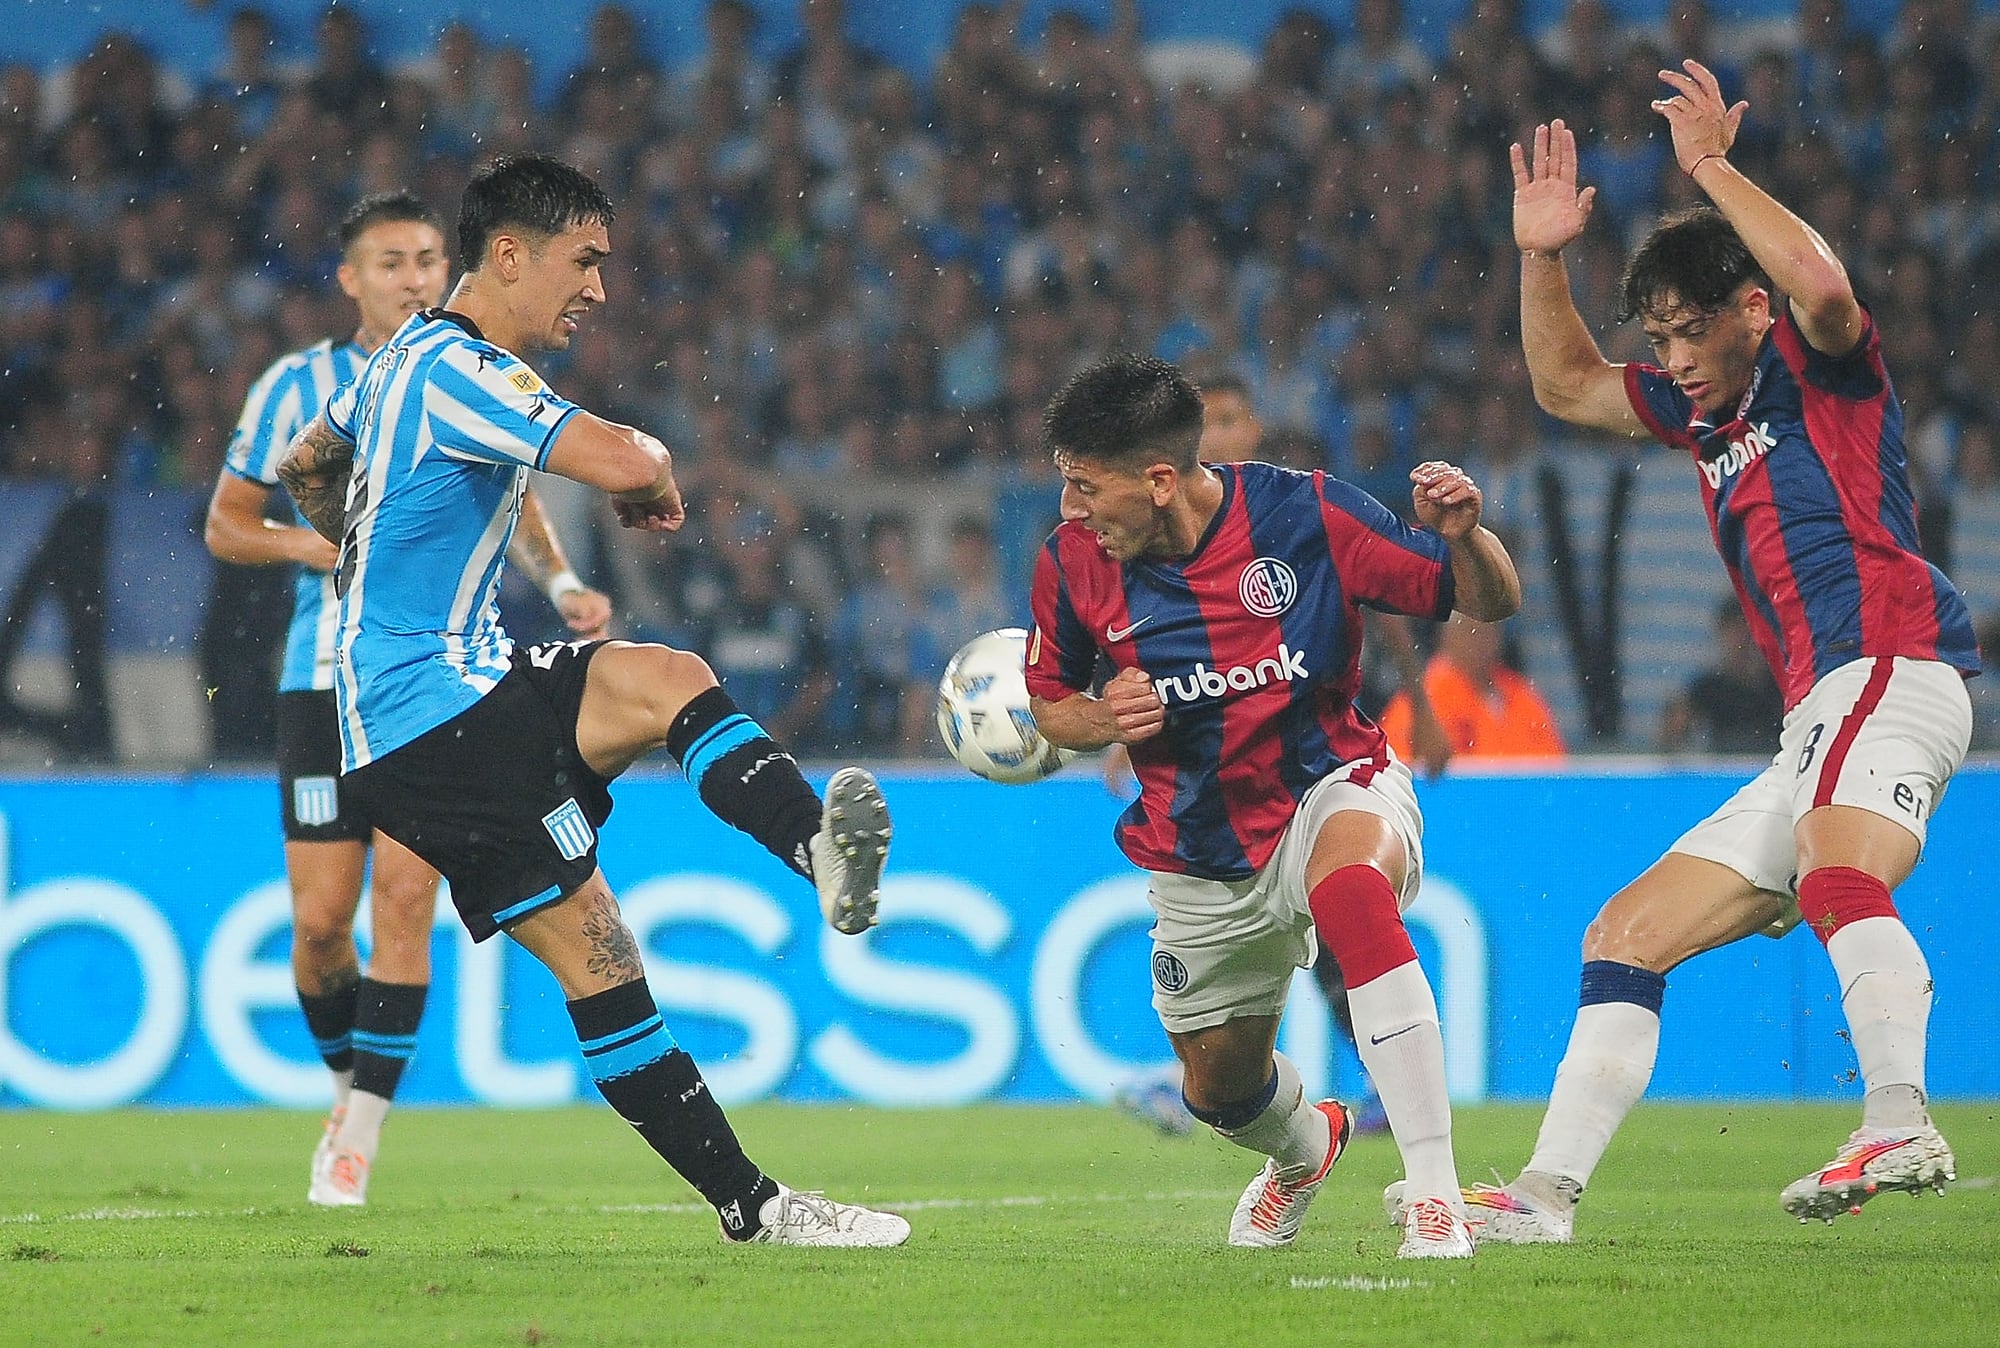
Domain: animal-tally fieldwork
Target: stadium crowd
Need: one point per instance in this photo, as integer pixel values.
(843, 294)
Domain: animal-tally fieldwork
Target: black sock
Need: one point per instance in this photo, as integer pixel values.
(745, 778)
(385, 1033)
(330, 1021)
(655, 1086)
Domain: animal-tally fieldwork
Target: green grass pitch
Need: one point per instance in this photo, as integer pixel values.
(1033, 1226)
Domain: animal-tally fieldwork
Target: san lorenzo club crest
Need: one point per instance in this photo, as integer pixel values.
(1268, 587)
(1168, 971)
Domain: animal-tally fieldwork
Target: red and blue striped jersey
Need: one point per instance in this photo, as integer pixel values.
(1253, 643)
(1808, 497)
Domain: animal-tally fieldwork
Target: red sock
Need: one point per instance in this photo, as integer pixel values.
(1354, 911)
(1833, 896)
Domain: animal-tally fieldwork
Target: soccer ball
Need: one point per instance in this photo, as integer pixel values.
(982, 711)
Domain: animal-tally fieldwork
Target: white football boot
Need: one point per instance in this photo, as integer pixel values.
(849, 850)
(798, 1217)
(1271, 1209)
(1874, 1159)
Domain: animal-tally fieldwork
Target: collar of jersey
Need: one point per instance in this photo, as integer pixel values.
(444, 315)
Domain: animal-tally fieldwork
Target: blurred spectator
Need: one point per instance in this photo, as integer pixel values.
(968, 601)
(1731, 707)
(766, 647)
(1488, 710)
(881, 644)
(68, 567)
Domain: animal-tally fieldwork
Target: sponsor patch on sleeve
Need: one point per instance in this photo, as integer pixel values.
(525, 380)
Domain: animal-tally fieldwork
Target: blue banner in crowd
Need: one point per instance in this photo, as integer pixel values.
(144, 927)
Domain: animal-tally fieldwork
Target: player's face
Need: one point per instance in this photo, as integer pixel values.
(1230, 431)
(1710, 353)
(392, 270)
(560, 283)
(1120, 506)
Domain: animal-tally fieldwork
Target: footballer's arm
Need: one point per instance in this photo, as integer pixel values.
(1129, 711)
(315, 472)
(633, 466)
(1571, 377)
(236, 530)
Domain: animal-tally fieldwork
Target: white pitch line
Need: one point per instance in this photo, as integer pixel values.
(1355, 1283)
(666, 1209)
(948, 1204)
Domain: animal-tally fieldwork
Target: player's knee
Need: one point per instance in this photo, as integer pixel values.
(323, 931)
(1620, 942)
(660, 680)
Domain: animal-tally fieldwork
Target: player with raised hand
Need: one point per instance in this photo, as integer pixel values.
(494, 764)
(1786, 410)
(1228, 597)
(393, 264)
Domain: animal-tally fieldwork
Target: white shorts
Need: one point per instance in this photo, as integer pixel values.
(1881, 734)
(1228, 948)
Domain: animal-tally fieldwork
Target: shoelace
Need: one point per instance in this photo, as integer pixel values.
(813, 1206)
(1271, 1204)
(1433, 1220)
(347, 1170)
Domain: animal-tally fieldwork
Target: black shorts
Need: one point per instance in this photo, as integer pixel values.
(315, 805)
(498, 799)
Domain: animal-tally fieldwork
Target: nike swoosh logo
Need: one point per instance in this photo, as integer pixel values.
(1120, 633)
(1385, 1038)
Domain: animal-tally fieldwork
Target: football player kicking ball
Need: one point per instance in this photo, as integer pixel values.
(1228, 597)
(494, 764)
(1796, 436)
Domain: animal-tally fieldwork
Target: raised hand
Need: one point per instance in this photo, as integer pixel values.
(1549, 210)
(1703, 125)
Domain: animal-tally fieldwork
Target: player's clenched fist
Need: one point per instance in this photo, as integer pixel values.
(1446, 498)
(1135, 706)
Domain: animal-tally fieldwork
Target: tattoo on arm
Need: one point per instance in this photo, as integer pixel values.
(613, 952)
(315, 472)
(535, 546)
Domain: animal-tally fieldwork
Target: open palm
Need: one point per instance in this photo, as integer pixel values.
(1549, 211)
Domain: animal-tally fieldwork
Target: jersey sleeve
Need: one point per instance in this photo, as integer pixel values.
(1061, 656)
(1383, 562)
(488, 406)
(272, 415)
(1858, 376)
(1659, 402)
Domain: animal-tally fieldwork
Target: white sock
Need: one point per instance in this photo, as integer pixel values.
(1610, 1059)
(1885, 988)
(361, 1130)
(343, 1085)
(1289, 1131)
(1396, 1031)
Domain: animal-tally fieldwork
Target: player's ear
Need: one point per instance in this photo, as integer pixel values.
(506, 253)
(350, 280)
(1757, 306)
(1163, 478)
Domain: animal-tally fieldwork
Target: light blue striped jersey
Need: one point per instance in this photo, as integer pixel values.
(284, 398)
(445, 425)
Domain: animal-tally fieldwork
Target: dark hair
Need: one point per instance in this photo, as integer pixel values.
(532, 192)
(1223, 381)
(1694, 256)
(382, 208)
(1125, 409)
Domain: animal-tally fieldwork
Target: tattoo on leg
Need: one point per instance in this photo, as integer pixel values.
(341, 982)
(613, 952)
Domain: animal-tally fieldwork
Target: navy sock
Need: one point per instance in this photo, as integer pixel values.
(655, 1086)
(1241, 1114)
(330, 1021)
(385, 1033)
(745, 778)
(1610, 981)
